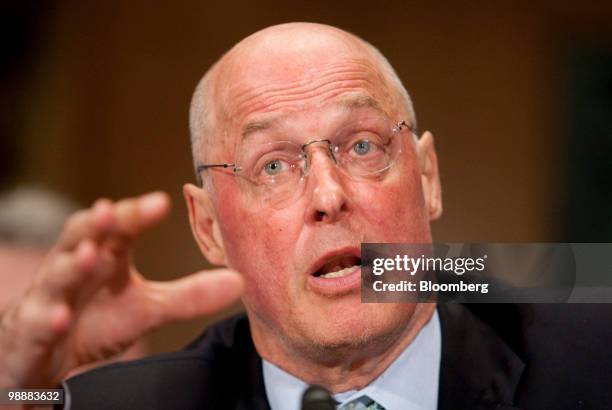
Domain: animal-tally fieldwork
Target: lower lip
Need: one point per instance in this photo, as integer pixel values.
(335, 286)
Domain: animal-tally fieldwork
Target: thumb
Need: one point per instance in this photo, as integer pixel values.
(198, 294)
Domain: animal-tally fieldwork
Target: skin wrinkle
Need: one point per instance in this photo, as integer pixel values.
(323, 92)
(266, 92)
(290, 104)
(350, 101)
(273, 103)
(228, 149)
(259, 124)
(334, 70)
(332, 340)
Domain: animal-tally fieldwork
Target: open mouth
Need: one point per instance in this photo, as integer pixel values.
(338, 266)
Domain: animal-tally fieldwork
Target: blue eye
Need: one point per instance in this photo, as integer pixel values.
(273, 167)
(362, 147)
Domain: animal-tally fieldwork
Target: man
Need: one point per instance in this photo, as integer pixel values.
(305, 142)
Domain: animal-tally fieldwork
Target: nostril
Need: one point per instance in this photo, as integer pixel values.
(319, 216)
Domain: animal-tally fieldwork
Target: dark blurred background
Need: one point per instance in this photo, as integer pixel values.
(95, 96)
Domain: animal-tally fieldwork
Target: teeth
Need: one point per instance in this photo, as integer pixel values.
(339, 273)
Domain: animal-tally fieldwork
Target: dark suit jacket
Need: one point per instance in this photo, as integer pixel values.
(493, 357)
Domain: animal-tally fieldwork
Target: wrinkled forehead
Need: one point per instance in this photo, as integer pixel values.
(274, 78)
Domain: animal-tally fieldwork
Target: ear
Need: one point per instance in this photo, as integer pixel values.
(204, 224)
(430, 177)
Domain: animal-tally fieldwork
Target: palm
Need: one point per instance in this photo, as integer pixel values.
(115, 317)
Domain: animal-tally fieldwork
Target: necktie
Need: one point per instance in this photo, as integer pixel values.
(361, 403)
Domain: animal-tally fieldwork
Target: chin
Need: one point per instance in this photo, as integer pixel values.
(353, 328)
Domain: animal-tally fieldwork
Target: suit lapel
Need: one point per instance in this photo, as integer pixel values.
(256, 397)
(478, 369)
(243, 385)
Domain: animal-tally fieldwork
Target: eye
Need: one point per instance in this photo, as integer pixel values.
(275, 167)
(362, 147)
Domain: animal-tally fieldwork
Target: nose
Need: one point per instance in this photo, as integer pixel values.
(328, 202)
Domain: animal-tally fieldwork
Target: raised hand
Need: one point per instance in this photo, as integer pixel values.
(88, 301)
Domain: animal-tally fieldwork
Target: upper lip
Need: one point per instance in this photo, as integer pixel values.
(347, 250)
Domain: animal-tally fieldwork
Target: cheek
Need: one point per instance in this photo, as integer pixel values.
(394, 210)
(256, 243)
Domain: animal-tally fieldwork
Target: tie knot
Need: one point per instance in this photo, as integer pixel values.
(361, 403)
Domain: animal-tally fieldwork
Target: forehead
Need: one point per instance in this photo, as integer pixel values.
(345, 103)
(273, 79)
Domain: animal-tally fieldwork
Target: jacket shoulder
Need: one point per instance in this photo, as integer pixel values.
(218, 366)
(526, 355)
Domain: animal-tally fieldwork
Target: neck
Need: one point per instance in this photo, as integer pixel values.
(351, 369)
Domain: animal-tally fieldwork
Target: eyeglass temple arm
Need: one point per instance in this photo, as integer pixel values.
(205, 167)
(408, 126)
(201, 168)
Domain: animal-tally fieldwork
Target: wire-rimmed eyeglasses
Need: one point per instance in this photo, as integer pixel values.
(274, 171)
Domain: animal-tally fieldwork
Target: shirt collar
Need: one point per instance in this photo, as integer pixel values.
(410, 382)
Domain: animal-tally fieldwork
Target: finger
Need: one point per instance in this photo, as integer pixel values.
(27, 333)
(45, 314)
(196, 295)
(50, 305)
(42, 324)
(66, 271)
(118, 223)
(72, 277)
(52, 302)
(88, 223)
(134, 215)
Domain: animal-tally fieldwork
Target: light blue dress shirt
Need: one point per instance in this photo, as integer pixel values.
(409, 383)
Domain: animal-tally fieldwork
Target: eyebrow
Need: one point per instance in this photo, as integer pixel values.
(351, 102)
(258, 125)
(359, 100)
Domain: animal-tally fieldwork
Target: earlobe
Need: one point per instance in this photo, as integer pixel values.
(430, 177)
(204, 224)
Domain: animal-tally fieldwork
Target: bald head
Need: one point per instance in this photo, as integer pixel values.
(288, 56)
